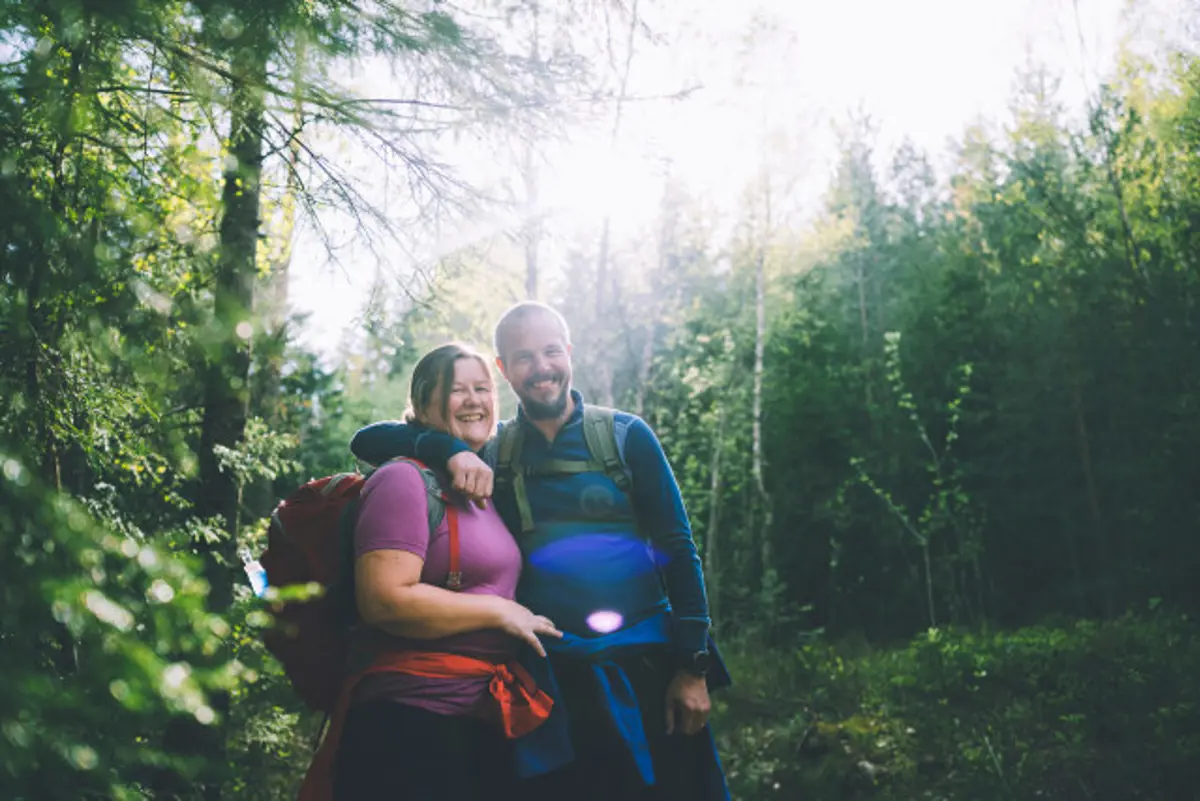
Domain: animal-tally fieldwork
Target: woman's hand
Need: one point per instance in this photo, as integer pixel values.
(471, 476)
(517, 621)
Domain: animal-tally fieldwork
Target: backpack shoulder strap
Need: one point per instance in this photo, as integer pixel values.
(600, 434)
(437, 496)
(508, 447)
(441, 509)
(509, 468)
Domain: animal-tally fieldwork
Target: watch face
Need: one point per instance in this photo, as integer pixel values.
(700, 661)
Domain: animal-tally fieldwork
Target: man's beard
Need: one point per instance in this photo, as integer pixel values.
(542, 410)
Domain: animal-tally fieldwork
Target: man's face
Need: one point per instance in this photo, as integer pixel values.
(537, 364)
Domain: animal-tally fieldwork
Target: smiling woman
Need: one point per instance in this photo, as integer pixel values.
(453, 390)
(440, 626)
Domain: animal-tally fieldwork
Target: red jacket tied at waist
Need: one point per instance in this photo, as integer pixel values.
(516, 703)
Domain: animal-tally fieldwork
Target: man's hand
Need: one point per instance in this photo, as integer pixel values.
(517, 621)
(687, 703)
(471, 476)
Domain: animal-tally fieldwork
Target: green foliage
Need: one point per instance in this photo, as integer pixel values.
(262, 453)
(1028, 452)
(1076, 711)
(1029, 459)
(142, 448)
(947, 515)
(106, 635)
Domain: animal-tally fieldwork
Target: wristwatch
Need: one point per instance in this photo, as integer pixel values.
(696, 663)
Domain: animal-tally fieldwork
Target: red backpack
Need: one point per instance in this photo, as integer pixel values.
(310, 544)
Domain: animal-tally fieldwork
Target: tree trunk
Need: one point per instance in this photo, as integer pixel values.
(1109, 141)
(226, 393)
(929, 583)
(38, 335)
(1083, 443)
(666, 245)
(531, 234)
(760, 336)
(1076, 571)
(227, 372)
(271, 302)
(643, 371)
(42, 368)
(712, 533)
(860, 278)
(531, 237)
(603, 368)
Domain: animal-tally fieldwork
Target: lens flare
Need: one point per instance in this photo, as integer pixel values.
(604, 621)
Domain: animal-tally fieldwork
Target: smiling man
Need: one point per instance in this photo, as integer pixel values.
(609, 557)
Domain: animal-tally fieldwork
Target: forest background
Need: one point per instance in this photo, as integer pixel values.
(934, 412)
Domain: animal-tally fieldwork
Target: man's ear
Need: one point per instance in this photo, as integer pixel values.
(500, 367)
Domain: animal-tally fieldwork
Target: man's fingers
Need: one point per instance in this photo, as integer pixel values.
(545, 626)
(535, 643)
(482, 488)
(695, 722)
(477, 486)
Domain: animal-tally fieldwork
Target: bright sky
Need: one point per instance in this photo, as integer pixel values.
(923, 69)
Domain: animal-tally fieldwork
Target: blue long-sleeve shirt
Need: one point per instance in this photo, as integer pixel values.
(655, 497)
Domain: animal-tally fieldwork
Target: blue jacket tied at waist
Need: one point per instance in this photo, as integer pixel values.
(549, 747)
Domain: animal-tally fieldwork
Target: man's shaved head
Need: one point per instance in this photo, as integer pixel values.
(533, 352)
(518, 315)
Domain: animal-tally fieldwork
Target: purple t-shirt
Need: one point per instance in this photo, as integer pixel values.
(393, 515)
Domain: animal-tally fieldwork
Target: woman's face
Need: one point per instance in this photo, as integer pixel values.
(470, 407)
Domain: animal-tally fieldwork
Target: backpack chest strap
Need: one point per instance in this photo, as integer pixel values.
(560, 467)
(599, 434)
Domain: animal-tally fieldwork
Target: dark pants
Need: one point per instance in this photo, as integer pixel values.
(603, 769)
(394, 752)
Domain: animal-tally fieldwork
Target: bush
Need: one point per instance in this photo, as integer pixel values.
(1084, 711)
(105, 637)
